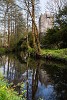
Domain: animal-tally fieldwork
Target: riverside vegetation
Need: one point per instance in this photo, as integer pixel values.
(7, 93)
(59, 54)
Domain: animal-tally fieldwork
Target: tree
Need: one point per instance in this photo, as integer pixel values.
(55, 5)
(13, 20)
(61, 20)
(35, 34)
(61, 17)
(57, 37)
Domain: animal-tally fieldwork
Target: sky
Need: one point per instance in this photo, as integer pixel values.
(43, 5)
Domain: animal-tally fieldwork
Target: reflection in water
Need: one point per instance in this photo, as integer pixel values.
(42, 79)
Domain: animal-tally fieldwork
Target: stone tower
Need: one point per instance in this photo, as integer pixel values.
(45, 22)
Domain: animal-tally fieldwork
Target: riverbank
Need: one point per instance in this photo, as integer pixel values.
(7, 93)
(59, 54)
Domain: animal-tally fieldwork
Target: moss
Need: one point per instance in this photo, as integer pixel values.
(31, 50)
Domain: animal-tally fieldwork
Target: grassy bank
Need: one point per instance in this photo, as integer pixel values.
(59, 54)
(6, 93)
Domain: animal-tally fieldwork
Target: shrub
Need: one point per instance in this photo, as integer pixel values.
(2, 50)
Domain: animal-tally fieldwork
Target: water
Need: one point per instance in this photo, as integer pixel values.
(41, 78)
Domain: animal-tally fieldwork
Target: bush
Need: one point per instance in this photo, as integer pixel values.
(2, 50)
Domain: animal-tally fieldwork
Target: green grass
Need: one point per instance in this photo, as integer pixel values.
(6, 93)
(59, 53)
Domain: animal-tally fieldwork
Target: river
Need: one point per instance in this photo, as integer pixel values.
(41, 79)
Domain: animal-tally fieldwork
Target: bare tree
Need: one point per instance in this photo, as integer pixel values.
(55, 5)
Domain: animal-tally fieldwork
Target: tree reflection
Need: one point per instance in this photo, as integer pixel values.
(40, 77)
(58, 75)
(34, 82)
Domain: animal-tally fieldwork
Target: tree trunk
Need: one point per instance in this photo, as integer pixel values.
(35, 30)
(8, 25)
(27, 26)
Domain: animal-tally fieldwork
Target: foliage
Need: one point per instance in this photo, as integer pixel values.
(51, 38)
(13, 41)
(7, 93)
(17, 44)
(61, 17)
(0, 41)
(30, 39)
(2, 50)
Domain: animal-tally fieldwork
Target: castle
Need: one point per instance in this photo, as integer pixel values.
(45, 22)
